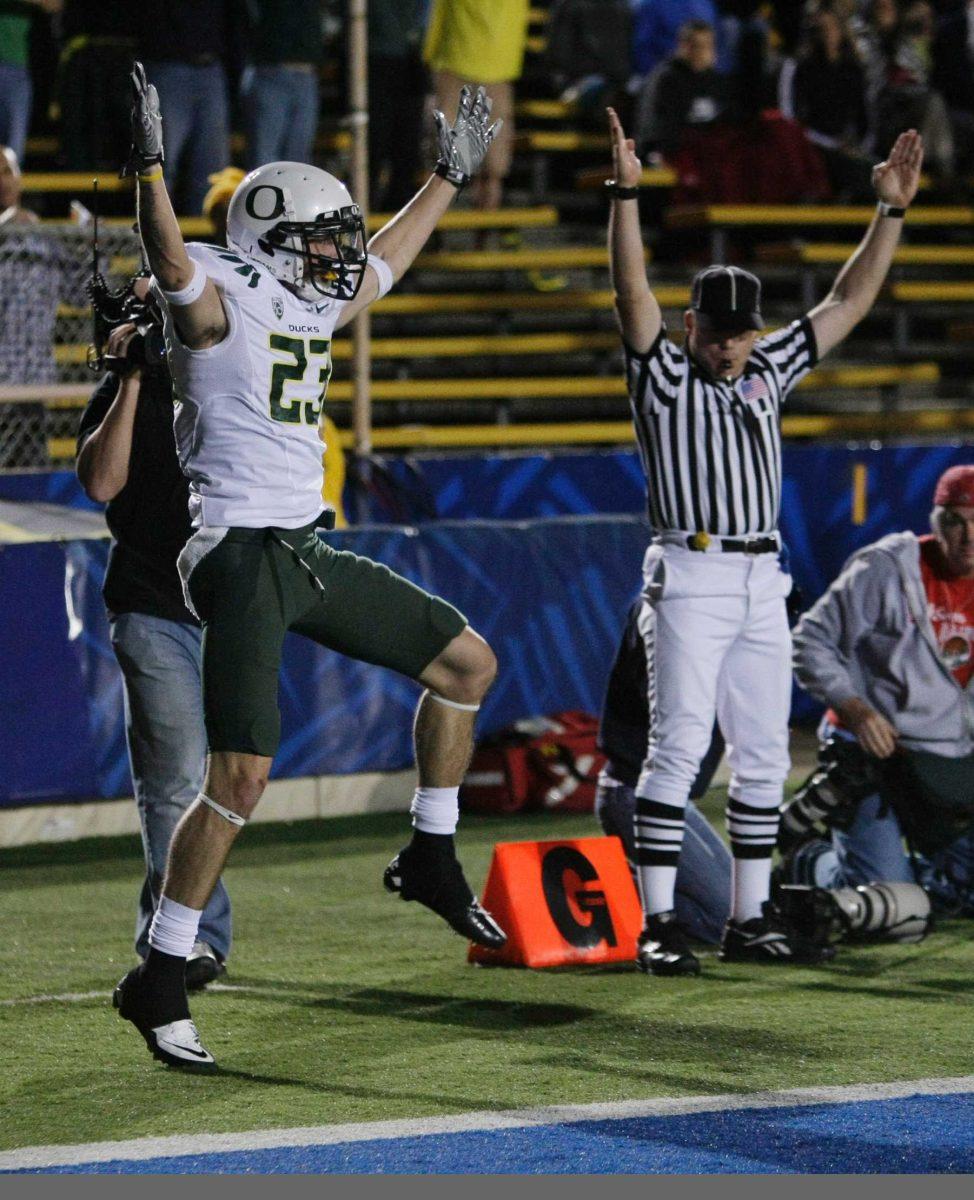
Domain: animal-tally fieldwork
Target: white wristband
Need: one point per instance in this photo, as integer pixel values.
(383, 273)
(192, 291)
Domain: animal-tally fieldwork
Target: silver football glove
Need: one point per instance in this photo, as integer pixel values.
(146, 125)
(463, 147)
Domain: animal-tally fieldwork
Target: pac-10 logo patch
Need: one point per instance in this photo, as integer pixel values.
(278, 306)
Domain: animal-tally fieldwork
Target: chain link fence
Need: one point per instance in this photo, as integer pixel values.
(46, 331)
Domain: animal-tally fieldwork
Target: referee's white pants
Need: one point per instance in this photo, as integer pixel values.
(717, 645)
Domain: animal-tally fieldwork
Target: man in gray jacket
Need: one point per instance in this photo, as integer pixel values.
(890, 649)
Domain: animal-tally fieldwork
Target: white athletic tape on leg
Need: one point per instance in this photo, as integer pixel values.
(454, 703)
(436, 809)
(232, 817)
(174, 927)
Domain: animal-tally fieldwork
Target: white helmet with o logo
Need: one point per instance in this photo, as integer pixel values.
(279, 210)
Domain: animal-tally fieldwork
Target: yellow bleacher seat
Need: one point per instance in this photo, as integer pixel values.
(710, 215)
(933, 293)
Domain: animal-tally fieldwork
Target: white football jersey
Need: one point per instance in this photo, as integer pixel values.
(248, 410)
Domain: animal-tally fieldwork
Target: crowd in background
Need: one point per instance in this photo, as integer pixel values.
(805, 96)
(706, 80)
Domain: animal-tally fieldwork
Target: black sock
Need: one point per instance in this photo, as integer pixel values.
(164, 987)
(432, 845)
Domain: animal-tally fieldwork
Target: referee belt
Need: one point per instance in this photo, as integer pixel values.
(710, 543)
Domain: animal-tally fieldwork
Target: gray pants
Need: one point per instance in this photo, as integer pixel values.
(161, 668)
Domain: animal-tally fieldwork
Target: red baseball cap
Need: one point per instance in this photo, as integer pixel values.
(955, 487)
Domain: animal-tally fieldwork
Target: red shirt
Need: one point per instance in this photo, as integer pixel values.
(950, 606)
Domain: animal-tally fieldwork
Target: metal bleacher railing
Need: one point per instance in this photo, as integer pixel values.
(524, 350)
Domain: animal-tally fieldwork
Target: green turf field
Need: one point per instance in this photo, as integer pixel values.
(358, 1007)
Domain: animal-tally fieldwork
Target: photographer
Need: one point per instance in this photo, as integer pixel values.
(890, 648)
(127, 460)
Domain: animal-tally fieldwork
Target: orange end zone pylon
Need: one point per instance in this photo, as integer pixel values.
(561, 902)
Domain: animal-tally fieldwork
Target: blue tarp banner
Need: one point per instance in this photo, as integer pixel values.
(549, 596)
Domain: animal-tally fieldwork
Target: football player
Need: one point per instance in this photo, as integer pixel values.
(249, 332)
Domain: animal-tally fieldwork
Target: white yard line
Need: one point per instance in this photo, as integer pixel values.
(63, 998)
(78, 997)
(267, 1139)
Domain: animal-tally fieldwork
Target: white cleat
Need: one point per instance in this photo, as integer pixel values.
(179, 1045)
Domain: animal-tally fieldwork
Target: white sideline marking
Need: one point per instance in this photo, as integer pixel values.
(321, 1135)
(64, 998)
(77, 997)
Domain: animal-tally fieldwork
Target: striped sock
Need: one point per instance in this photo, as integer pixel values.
(753, 832)
(658, 838)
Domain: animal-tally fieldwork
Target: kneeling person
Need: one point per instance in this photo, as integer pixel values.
(249, 334)
(890, 648)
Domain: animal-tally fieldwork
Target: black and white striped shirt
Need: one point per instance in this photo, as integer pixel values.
(711, 450)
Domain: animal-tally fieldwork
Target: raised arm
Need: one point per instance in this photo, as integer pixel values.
(857, 285)
(637, 310)
(103, 461)
(463, 147)
(193, 299)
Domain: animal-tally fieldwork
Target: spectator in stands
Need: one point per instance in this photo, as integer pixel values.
(683, 93)
(744, 55)
(92, 86)
(471, 42)
(738, 22)
(186, 45)
(11, 210)
(656, 29)
(398, 86)
(280, 89)
(16, 86)
(589, 52)
(786, 20)
(953, 77)
(895, 42)
(127, 461)
(890, 648)
(37, 271)
(825, 89)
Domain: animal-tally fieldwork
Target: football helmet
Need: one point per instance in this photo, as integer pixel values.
(280, 216)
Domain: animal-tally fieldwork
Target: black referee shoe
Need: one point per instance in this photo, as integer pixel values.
(438, 883)
(770, 938)
(662, 948)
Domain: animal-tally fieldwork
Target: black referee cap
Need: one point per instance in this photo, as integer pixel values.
(727, 298)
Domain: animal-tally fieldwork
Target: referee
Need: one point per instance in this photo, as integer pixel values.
(707, 419)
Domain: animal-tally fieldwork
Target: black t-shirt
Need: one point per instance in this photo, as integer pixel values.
(149, 518)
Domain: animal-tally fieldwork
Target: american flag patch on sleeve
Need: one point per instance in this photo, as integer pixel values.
(754, 388)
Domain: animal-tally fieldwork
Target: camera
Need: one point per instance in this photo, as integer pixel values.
(147, 347)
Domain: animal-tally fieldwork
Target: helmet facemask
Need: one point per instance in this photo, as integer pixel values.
(300, 225)
(334, 276)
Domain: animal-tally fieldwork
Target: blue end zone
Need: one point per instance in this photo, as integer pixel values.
(913, 1135)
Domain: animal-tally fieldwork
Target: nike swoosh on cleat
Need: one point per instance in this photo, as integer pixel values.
(173, 1048)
